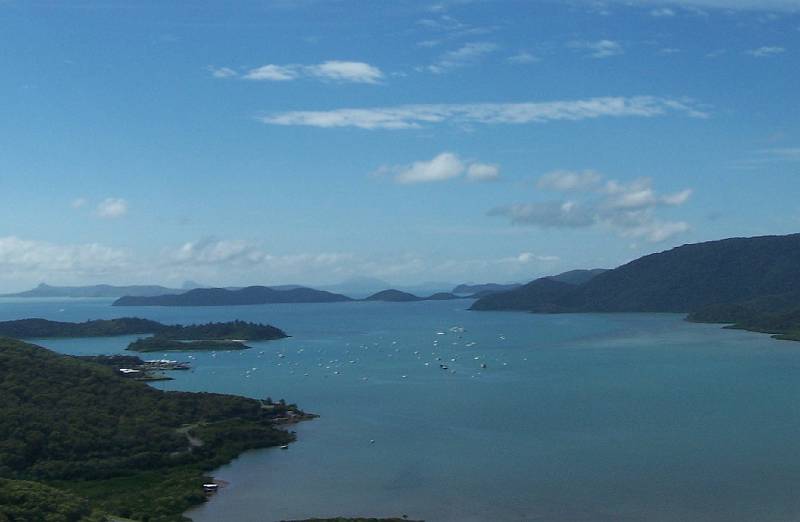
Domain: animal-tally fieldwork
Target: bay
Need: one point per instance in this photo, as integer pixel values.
(622, 417)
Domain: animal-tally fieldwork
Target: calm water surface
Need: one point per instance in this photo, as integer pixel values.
(576, 417)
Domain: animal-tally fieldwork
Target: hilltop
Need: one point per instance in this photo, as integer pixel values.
(251, 295)
(753, 282)
(397, 296)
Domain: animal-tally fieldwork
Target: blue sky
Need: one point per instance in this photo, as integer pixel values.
(317, 141)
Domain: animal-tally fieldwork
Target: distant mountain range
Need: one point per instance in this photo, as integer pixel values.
(45, 290)
(251, 295)
(753, 282)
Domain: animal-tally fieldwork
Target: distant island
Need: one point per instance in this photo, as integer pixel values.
(397, 296)
(751, 283)
(483, 289)
(209, 336)
(114, 446)
(108, 291)
(251, 295)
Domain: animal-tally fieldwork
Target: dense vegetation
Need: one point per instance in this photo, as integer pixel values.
(25, 501)
(41, 328)
(683, 279)
(751, 282)
(541, 295)
(774, 314)
(398, 296)
(392, 295)
(131, 450)
(252, 295)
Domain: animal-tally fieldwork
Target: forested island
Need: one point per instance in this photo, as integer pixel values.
(251, 295)
(398, 296)
(751, 283)
(80, 440)
(210, 336)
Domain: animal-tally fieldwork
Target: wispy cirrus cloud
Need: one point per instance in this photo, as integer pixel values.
(599, 48)
(663, 12)
(112, 208)
(629, 209)
(728, 5)
(340, 71)
(523, 58)
(766, 51)
(416, 116)
(468, 54)
(767, 158)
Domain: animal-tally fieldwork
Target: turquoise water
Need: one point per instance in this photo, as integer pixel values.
(576, 417)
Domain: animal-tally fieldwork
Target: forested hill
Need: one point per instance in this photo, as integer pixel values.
(684, 279)
(132, 450)
(251, 295)
(43, 328)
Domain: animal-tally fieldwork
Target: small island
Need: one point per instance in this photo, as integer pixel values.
(231, 335)
(398, 296)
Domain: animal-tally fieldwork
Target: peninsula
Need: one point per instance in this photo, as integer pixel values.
(114, 446)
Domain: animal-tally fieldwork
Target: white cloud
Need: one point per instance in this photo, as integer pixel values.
(735, 5)
(629, 209)
(443, 167)
(483, 172)
(78, 203)
(332, 70)
(785, 153)
(416, 116)
(27, 258)
(568, 180)
(112, 208)
(766, 51)
(355, 72)
(272, 73)
(599, 48)
(213, 252)
(529, 257)
(662, 12)
(657, 231)
(467, 54)
(221, 72)
(549, 214)
(522, 58)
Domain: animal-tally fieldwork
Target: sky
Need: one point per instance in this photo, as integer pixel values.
(314, 142)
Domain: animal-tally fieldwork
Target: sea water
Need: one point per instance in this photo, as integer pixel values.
(625, 417)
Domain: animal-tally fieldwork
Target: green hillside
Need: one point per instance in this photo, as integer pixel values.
(130, 449)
